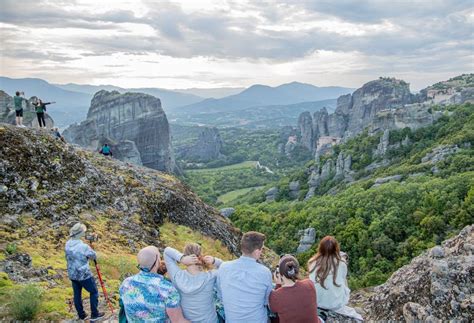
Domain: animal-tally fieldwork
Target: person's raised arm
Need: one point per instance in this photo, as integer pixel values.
(172, 257)
(176, 315)
(214, 261)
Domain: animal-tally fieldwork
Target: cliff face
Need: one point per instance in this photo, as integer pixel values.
(354, 112)
(378, 105)
(133, 123)
(207, 147)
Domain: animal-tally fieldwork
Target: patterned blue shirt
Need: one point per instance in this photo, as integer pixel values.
(244, 286)
(146, 296)
(77, 257)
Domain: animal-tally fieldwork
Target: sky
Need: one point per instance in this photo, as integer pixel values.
(230, 43)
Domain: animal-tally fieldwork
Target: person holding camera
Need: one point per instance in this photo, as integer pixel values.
(77, 256)
(293, 300)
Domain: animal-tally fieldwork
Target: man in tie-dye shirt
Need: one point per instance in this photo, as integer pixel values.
(148, 296)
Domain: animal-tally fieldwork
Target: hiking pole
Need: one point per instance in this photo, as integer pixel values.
(99, 275)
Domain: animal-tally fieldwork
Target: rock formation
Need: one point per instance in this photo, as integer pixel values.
(134, 123)
(308, 238)
(435, 286)
(227, 212)
(294, 189)
(271, 194)
(379, 105)
(207, 147)
(440, 153)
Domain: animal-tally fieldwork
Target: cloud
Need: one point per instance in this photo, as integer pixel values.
(373, 37)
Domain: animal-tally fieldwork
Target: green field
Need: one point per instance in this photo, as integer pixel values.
(228, 197)
(243, 165)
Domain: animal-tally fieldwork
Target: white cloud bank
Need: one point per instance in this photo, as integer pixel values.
(199, 43)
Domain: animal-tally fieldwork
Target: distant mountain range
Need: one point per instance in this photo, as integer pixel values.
(262, 95)
(73, 100)
(259, 106)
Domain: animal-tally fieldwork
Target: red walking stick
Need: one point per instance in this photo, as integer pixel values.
(99, 275)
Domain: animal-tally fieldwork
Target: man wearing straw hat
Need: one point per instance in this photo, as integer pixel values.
(77, 255)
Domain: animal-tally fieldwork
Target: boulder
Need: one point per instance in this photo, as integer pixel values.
(227, 212)
(294, 189)
(308, 238)
(271, 194)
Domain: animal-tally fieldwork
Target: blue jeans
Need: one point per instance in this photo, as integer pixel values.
(90, 286)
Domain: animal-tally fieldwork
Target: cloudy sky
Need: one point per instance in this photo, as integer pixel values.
(207, 43)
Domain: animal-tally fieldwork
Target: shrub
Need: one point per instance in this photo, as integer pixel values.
(26, 302)
(11, 248)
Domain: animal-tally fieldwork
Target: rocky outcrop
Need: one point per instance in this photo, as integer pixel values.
(308, 238)
(439, 153)
(435, 286)
(131, 122)
(207, 147)
(411, 116)
(305, 124)
(294, 189)
(57, 184)
(227, 212)
(343, 165)
(383, 144)
(382, 180)
(271, 194)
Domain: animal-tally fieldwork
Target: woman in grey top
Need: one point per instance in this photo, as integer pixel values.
(195, 284)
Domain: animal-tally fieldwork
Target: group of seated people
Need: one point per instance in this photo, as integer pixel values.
(241, 290)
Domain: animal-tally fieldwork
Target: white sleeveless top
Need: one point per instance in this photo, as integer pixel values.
(332, 297)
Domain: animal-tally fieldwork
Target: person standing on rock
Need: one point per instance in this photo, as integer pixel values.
(77, 256)
(18, 103)
(40, 108)
(244, 285)
(148, 296)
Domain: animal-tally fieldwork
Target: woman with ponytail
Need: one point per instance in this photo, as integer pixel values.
(294, 300)
(328, 271)
(195, 283)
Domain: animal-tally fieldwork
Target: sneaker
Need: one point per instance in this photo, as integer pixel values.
(98, 317)
(84, 317)
(22, 126)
